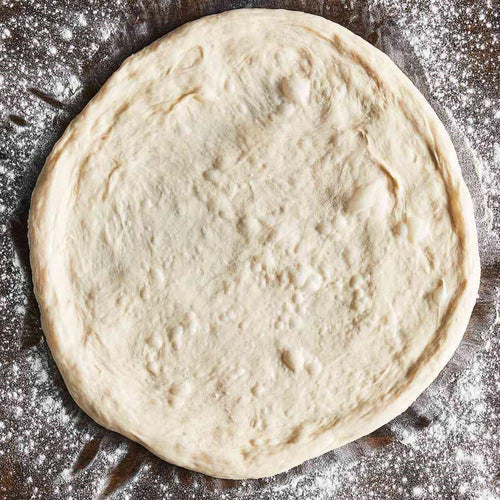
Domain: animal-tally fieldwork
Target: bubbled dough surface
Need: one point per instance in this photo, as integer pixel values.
(254, 245)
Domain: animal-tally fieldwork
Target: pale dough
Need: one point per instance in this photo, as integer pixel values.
(254, 245)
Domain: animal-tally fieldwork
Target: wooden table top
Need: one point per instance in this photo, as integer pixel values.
(54, 56)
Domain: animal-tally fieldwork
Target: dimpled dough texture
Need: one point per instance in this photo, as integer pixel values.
(254, 245)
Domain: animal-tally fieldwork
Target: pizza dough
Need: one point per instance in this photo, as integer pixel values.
(254, 245)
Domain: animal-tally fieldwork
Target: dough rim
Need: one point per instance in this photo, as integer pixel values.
(436, 354)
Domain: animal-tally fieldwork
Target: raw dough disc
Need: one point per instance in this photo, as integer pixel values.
(254, 245)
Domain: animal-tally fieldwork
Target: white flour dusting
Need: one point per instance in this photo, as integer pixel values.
(53, 57)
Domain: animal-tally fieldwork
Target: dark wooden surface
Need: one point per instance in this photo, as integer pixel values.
(81, 470)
